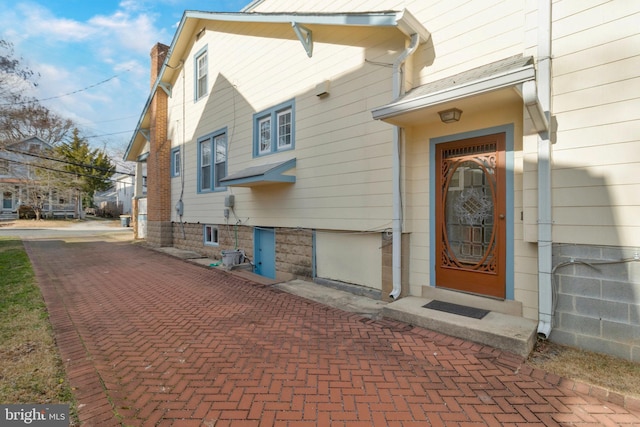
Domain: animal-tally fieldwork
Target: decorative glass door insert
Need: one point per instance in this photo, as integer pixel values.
(470, 212)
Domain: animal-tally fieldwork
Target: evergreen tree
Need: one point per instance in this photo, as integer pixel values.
(91, 167)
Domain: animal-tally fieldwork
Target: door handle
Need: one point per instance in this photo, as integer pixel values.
(501, 216)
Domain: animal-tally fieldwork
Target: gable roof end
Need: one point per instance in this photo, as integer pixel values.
(403, 20)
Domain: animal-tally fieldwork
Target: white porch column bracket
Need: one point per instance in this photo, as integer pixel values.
(166, 87)
(305, 36)
(145, 133)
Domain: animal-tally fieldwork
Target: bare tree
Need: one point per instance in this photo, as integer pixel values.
(31, 119)
(21, 116)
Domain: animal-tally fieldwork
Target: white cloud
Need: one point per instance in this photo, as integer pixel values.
(39, 22)
(135, 33)
(72, 55)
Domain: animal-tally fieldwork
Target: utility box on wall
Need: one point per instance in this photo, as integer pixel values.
(229, 201)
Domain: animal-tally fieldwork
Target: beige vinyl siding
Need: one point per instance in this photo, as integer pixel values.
(343, 171)
(466, 35)
(596, 94)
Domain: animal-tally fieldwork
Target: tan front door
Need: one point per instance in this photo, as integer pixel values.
(470, 215)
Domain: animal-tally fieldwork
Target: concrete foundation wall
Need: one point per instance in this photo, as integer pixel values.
(598, 299)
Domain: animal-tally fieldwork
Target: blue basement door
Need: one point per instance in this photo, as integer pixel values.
(265, 252)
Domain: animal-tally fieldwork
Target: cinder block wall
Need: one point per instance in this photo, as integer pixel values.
(598, 299)
(294, 252)
(189, 236)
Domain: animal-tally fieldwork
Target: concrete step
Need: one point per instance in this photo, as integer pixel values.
(6, 216)
(504, 331)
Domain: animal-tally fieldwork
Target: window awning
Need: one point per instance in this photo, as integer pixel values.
(505, 73)
(261, 175)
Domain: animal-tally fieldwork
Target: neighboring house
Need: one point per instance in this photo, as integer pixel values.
(22, 187)
(117, 200)
(106, 202)
(483, 147)
(124, 184)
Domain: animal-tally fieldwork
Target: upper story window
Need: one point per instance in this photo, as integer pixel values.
(274, 129)
(175, 162)
(201, 72)
(212, 161)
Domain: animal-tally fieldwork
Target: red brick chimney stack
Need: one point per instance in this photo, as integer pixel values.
(158, 55)
(159, 227)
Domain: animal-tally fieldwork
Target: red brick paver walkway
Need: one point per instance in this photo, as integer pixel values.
(149, 340)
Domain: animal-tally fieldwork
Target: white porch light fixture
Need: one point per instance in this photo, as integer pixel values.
(451, 115)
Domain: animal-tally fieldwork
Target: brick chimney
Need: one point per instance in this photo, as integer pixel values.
(159, 227)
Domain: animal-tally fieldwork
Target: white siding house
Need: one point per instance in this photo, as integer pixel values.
(22, 186)
(489, 148)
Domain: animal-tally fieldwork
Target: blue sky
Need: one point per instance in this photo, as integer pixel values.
(93, 55)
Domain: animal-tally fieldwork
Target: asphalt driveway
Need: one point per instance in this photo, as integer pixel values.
(148, 339)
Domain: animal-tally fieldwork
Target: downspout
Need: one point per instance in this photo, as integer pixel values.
(396, 225)
(545, 238)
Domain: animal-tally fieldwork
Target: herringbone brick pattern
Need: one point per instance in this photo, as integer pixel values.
(151, 340)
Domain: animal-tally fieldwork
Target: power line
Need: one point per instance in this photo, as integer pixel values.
(64, 94)
(61, 171)
(82, 165)
(112, 120)
(108, 134)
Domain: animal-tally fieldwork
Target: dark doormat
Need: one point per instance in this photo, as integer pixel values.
(461, 310)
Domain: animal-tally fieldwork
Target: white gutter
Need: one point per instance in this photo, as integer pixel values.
(396, 225)
(545, 239)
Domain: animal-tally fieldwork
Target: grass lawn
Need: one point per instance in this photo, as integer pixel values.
(31, 370)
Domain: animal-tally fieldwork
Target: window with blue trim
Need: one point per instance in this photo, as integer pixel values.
(201, 72)
(210, 235)
(273, 129)
(175, 162)
(212, 161)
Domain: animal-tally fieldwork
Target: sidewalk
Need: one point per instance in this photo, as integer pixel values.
(148, 339)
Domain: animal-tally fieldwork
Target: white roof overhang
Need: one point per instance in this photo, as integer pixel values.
(514, 72)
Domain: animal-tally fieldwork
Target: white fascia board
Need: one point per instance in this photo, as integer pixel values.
(495, 82)
(376, 19)
(138, 128)
(403, 20)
